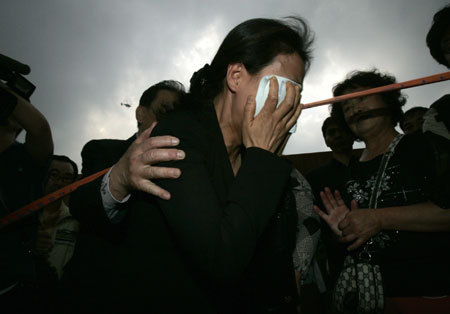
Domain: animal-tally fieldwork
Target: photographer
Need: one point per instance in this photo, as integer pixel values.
(23, 168)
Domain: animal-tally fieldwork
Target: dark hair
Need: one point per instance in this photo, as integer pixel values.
(150, 94)
(63, 158)
(254, 43)
(411, 111)
(326, 124)
(370, 79)
(441, 22)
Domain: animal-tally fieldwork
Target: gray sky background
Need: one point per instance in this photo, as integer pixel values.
(89, 56)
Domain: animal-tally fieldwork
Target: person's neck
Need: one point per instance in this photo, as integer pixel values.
(231, 135)
(343, 157)
(377, 143)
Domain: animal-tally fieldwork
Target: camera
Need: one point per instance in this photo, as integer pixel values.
(11, 72)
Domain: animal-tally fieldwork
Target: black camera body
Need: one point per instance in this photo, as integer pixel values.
(11, 72)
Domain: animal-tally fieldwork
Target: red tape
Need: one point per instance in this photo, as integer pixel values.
(387, 88)
(38, 204)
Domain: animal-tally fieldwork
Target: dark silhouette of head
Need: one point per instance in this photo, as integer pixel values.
(438, 37)
(412, 120)
(157, 100)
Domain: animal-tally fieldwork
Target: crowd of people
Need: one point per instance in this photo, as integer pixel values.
(200, 213)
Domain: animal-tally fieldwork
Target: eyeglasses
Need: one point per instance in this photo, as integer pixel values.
(66, 178)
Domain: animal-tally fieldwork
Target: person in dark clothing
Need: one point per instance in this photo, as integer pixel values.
(101, 154)
(437, 119)
(340, 140)
(23, 167)
(333, 175)
(209, 248)
(95, 203)
(407, 230)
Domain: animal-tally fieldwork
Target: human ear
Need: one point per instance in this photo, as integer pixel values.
(235, 73)
(140, 114)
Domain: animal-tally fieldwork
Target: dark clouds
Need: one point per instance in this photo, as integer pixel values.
(88, 56)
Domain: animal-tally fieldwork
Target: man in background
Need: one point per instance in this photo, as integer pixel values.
(58, 230)
(412, 120)
(333, 175)
(101, 202)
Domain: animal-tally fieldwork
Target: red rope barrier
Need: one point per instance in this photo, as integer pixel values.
(43, 201)
(408, 84)
(38, 204)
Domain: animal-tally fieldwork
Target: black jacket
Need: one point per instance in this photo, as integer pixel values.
(202, 241)
(88, 274)
(190, 254)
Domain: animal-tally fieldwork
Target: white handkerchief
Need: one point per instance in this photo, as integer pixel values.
(263, 93)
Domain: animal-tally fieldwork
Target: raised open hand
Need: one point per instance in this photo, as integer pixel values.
(335, 207)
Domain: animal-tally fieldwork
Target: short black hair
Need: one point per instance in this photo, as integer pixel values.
(370, 79)
(411, 111)
(330, 121)
(441, 22)
(254, 43)
(63, 158)
(150, 94)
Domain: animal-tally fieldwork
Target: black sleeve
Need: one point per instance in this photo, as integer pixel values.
(219, 240)
(439, 174)
(86, 203)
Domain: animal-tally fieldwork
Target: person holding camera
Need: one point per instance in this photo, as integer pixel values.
(23, 168)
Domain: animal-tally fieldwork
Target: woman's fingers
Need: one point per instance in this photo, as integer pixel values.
(326, 201)
(331, 198)
(249, 109)
(286, 107)
(320, 213)
(272, 98)
(338, 198)
(354, 205)
(297, 107)
(294, 118)
(356, 244)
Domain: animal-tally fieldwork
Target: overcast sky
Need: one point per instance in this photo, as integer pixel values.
(88, 57)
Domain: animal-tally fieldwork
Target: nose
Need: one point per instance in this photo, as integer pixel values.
(357, 106)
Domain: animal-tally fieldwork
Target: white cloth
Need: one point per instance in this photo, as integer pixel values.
(431, 124)
(263, 93)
